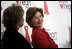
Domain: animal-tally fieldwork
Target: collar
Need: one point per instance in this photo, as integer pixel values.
(39, 29)
(16, 28)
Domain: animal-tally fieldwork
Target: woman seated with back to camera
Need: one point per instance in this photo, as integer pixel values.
(40, 38)
(13, 20)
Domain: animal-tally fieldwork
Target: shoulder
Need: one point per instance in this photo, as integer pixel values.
(36, 31)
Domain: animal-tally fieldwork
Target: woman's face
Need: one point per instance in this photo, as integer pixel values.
(37, 20)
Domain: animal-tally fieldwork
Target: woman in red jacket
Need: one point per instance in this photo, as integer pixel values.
(40, 38)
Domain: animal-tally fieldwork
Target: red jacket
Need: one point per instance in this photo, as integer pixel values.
(42, 39)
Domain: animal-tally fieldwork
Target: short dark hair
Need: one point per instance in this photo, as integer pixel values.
(30, 14)
(12, 15)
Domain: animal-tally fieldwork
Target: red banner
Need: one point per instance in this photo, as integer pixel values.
(1, 8)
(70, 33)
(27, 34)
(17, 2)
(45, 8)
(61, 4)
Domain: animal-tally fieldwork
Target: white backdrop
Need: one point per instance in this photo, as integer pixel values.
(57, 19)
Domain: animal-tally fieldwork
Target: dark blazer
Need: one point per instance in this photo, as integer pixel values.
(13, 39)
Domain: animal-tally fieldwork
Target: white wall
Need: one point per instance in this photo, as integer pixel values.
(56, 22)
